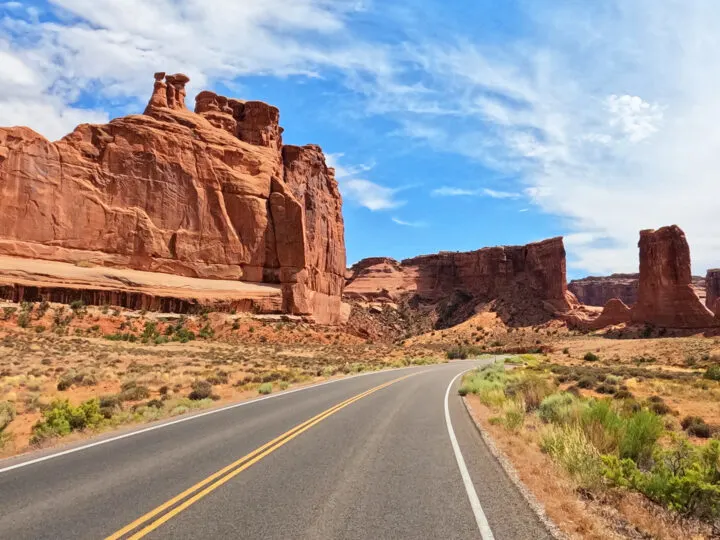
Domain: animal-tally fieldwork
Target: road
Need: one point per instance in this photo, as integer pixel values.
(368, 457)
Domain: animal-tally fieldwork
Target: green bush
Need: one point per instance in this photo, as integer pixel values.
(265, 388)
(591, 357)
(23, 319)
(61, 418)
(513, 414)
(183, 335)
(640, 433)
(557, 408)
(602, 425)
(657, 405)
(206, 332)
(684, 478)
(570, 447)
(713, 372)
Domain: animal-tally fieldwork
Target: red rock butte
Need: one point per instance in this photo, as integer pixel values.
(210, 194)
(527, 284)
(666, 296)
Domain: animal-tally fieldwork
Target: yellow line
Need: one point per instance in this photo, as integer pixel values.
(238, 466)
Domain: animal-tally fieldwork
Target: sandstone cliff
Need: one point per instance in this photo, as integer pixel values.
(597, 290)
(207, 194)
(525, 284)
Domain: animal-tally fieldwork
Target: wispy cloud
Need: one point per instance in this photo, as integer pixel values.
(447, 191)
(415, 224)
(371, 195)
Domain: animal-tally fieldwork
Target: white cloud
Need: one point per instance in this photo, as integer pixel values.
(609, 116)
(636, 118)
(112, 48)
(404, 223)
(369, 194)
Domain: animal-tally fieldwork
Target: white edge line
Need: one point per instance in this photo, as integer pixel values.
(187, 419)
(480, 519)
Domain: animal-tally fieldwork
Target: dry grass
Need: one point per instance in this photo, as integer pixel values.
(71, 348)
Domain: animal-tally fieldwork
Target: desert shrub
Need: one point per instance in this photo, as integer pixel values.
(586, 382)
(683, 478)
(532, 389)
(513, 416)
(606, 388)
(23, 319)
(132, 391)
(602, 425)
(623, 393)
(110, 405)
(7, 414)
(591, 357)
(487, 383)
(206, 332)
(155, 404)
(220, 377)
(696, 426)
(76, 378)
(150, 331)
(657, 405)
(570, 447)
(8, 312)
(265, 388)
(641, 432)
(200, 390)
(713, 372)
(557, 408)
(163, 390)
(61, 418)
(77, 305)
(183, 335)
(459, 352)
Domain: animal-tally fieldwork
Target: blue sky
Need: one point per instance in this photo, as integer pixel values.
(453, 125)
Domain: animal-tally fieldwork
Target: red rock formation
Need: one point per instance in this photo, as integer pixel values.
(587, 318)
(666, 297)
(208, 194)
(597, 290)
(526, 282)
(712, 284)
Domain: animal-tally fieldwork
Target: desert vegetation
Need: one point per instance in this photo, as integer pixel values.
(612, 431)
(68, 371)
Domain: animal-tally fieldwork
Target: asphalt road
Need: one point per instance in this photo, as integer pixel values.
(382, 465)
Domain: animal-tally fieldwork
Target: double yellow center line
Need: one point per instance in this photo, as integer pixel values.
(149, 522)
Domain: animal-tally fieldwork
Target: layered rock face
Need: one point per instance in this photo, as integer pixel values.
(597, 290)
(208, 194)
(666, 297)
(526, 282)
(712, 286)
